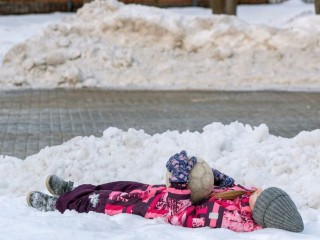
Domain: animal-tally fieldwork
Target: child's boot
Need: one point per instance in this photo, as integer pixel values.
(41, 201)
(57, 186)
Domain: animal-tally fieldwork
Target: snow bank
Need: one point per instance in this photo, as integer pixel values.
(15, 29)
(111, 45)
(251, 155)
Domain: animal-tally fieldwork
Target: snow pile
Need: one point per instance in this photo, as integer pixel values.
(251, 155)
(112, 45)
(15, 29)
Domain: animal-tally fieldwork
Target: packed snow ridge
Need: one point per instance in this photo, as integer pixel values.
(249, 154)
(111, 45)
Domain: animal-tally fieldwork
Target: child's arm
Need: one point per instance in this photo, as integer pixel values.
(178, 199)
(221, 179)
(212, 213)
(181, 212)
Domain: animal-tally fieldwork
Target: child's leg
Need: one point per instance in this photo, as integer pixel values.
(89, 197)
(122, 186)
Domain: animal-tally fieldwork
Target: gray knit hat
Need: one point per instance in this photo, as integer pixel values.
(275, 209)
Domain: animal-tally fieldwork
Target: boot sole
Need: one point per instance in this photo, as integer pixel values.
(28, 199)
(48, 186)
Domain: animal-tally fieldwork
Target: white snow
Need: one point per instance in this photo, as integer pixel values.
(111, 45)
(16, 29)
(94, 199)
(251, 155)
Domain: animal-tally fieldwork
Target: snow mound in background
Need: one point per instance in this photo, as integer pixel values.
(112, 45)
(251, 155)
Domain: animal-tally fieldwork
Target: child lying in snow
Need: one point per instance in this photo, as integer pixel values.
(231, 206)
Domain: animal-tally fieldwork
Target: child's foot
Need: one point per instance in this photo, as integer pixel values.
(57, 186)
(41, 201)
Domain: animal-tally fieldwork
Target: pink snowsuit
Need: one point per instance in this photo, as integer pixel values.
(152, 201)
